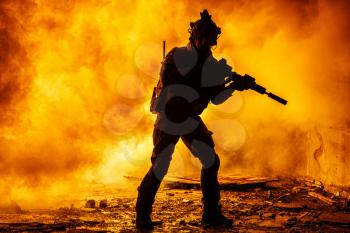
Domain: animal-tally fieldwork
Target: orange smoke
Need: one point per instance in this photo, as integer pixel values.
(76, 78)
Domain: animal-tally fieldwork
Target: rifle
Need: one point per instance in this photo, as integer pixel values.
(254, 86)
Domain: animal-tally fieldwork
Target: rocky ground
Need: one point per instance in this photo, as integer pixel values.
(255, 204)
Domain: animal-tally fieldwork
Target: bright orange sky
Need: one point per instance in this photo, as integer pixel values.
(76, 79)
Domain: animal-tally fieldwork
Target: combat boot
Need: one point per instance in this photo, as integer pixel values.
(145, 199)
(143, 211)
(213, 217)
(144, 222)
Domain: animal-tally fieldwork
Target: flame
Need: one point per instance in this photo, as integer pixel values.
(76, 79)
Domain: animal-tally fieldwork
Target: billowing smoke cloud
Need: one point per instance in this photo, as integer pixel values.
(300, 50)
(15, 66)
(76, 78)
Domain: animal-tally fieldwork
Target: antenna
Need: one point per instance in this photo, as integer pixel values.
(163, 49)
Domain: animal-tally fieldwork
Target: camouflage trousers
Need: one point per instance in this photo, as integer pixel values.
(201, 144)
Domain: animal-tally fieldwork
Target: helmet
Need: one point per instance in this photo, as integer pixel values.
(205, 27)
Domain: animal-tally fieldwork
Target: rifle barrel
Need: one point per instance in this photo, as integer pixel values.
(277, 98)
(256, 87)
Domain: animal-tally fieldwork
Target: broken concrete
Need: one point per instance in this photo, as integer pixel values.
(90, 204)
(103, 203)
(264, 205)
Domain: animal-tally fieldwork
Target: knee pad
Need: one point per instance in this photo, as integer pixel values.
(216, 164)
(161, 162)
(206, 154)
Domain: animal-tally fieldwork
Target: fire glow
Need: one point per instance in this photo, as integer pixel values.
(76, 80)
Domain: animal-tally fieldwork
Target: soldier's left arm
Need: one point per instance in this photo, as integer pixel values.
(220, 94)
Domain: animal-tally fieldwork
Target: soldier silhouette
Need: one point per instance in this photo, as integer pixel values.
(187, 85)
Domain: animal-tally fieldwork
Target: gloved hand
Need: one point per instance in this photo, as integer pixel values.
(241, 83)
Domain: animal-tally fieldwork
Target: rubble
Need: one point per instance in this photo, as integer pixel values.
(264, 205)
(103, 203)
(90, 204)
(322, 198)
(335, 218)
(226, 183)
(313, 183)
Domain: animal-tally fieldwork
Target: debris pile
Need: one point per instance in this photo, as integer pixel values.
(262, 204)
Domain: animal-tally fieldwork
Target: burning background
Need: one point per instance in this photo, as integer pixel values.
(76, 79)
